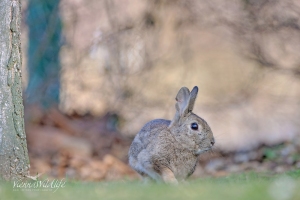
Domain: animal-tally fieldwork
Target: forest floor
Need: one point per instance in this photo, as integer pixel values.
(244, 186)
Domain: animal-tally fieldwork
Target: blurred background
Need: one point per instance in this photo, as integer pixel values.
(94, 72)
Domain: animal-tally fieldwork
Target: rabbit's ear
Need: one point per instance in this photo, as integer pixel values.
(182, 104)
(192, 99)
(183, 99)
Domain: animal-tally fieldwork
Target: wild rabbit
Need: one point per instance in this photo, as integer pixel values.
(167, 150)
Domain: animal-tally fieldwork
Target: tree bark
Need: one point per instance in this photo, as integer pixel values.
(14, 162)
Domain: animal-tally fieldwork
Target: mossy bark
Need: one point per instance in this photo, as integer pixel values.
(14, 162)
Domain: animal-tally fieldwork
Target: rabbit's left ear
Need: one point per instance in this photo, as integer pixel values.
(193, 96)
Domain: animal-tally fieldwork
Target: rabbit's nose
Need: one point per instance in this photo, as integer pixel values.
(212, 142)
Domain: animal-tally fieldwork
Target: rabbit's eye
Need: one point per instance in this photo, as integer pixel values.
(194, 126)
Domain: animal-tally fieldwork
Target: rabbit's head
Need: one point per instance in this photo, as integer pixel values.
(190, 130)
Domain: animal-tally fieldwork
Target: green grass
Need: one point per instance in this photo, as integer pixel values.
(243, 186)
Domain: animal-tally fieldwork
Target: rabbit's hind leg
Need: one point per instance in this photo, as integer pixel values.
(145, 166)
(146, 179)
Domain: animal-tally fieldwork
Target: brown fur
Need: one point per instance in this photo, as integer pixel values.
(168, 150)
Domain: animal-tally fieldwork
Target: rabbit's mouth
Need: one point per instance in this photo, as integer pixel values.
(200, 151)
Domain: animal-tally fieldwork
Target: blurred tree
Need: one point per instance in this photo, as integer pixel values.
(13, 148)
(45, 26)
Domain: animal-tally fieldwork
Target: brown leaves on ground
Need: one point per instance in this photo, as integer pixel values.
(80, 148)
(83, 168)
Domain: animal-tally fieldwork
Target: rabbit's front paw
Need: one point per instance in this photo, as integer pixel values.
(168, 176)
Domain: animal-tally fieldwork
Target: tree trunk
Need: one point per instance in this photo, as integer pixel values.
(14, 162)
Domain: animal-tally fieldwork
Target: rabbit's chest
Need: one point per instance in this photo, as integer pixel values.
(184, 164)
(173, 153)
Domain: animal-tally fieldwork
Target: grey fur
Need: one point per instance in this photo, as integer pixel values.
(167, 150)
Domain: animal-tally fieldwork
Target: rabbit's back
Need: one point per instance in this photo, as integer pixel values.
(143, 143)
(145, 136)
